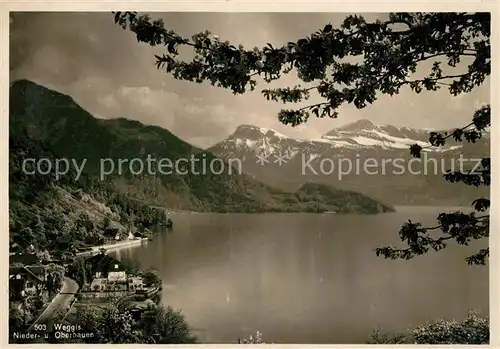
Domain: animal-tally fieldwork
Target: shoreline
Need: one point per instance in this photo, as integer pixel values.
(115, 246)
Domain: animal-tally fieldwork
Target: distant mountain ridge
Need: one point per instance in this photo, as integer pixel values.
(54, 119)
(357, 140)
(361, 134)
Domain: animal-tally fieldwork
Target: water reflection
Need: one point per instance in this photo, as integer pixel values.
(306, 278)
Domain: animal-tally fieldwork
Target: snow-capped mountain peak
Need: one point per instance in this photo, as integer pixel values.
(364, 133)
(281, 160)
(359, 136)
(253, 138)
(245, 130)
(358, 125)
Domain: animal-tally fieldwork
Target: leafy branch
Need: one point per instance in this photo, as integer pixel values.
(458, 226)
(354, 64)
(396, 54)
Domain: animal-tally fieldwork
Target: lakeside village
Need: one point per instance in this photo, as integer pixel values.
(43, 289)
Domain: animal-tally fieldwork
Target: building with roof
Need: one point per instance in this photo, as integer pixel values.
(24, 258)
(112, 234)
(109, 276)
(29, 280)
(105, 266)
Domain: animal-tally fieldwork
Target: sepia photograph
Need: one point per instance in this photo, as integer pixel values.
(249, 177)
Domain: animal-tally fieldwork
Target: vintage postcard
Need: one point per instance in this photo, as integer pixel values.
(232, 175)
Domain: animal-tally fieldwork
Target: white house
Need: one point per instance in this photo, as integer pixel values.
(107, 268)
(117, 274)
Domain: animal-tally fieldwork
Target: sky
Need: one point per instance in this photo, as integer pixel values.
(110, 74)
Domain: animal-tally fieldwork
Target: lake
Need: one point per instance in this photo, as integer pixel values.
(307, 278)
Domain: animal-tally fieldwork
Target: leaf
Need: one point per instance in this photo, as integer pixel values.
(302, 42)
(481, 204)
(436, 139)
(457, 134)
(117, 16)
(415, 150)
(171, 47)
(328, 28)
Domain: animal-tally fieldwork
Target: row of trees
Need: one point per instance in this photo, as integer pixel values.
(39, 214)
(50, 227)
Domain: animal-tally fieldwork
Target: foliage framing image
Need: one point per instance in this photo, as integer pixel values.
(387, 54)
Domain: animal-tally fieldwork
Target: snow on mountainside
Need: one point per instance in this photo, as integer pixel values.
(357, 136)
(280, 161)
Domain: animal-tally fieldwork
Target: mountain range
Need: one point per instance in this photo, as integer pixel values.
(273, 176)
(393, 175)
(46, 122)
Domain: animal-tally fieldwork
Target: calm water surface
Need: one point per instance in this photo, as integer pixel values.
(306, 278)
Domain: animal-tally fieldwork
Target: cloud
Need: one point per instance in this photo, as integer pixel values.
(190, 116)
(110, 74)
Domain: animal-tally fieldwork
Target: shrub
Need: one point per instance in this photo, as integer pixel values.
(379, 337)
(257, 339)
(474, 329)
